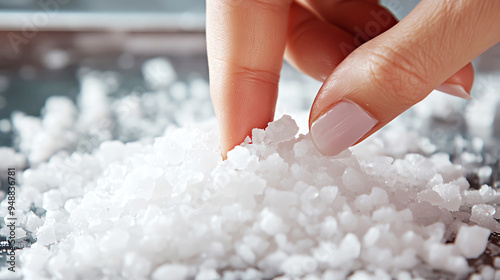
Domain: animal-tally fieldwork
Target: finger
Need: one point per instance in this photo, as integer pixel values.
(396, 70)
(460, 84)
(245, 46)
(362, 18)
(330, 46)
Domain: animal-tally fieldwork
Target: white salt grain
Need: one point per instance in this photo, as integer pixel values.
(46, 234)
(208, 274)
(33, 221)
(52, 200)
(471, 241)
(299, 265)
(450, 193)
(136, 266)
(371, 236)
(328, 194)
(487, 272)
(354, 180)
(171, 271)
(270, 223)
(246, 253)
(158, 73)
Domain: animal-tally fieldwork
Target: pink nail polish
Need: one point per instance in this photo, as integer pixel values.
(340, 128)
(455, 90)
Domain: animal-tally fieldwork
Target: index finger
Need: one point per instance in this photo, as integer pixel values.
(245, 46)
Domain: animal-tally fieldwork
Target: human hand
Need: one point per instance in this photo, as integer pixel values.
(384, 74)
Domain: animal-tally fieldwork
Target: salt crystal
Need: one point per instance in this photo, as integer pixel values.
(476, 277)
(258, 135)
(301, 148)
(482, 214)
(56, 59)
(484, 174)
(310, 193)
(171, 151)
(328, 194)
(371, 236)
(136, 266)
(477, 144)
(355, 180)
(199, 89)
(299, 265)
(45, 234)
(251, 273)
(350, 246)
(207, 274)
(404, 275)
(171, 271)
(435, 232)
(271, 223)
(487, 272)
(367, 202)
(245, 253)
(271, 263)
(158, 73)
(239, 157)
(431, 197)
(361, 275)
(285, 198)
(33, 221)
(281, 240)
(36, 259)
(281, 130)
(178, 91)
(52, 200)
(471, 241)
(487, 193)
(450, 194)
(115, 240)
(58, 266)
(311, 277)
(473, 197)
(334, 275)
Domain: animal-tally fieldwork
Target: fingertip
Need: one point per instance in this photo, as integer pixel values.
(464, 78)
(341, 127)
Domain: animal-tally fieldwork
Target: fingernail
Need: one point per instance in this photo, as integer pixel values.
(455, 90)
(340, 128)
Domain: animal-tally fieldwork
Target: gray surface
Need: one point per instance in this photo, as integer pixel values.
(108, 6)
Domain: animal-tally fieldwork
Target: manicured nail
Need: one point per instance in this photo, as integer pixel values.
(340, 128)
(455, 90)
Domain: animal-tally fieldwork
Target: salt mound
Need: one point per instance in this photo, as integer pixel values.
(132, 186)
(173, 209)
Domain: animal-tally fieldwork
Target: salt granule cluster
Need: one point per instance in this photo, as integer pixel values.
(168, 207)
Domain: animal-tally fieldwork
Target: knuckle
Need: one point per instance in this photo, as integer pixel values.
(398, 75)
(258, 76)
(297, 32)
(249, 75)
(272, 5)
(275, 5)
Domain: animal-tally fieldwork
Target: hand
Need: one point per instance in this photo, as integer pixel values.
(370, 76)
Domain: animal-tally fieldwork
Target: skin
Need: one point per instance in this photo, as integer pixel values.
(356, 47)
